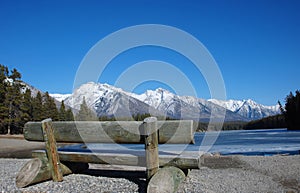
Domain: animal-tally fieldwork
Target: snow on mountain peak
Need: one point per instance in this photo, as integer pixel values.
(60, 97)
(102, 98)
(91, 92)
(248, 108)
(156, 97)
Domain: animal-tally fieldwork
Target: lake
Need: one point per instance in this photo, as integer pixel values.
(252, 142)
(264, 142)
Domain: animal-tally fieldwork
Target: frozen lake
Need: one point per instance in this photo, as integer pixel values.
(263, 142)
(251, 142)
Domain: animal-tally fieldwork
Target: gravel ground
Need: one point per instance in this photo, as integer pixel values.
(244, 174)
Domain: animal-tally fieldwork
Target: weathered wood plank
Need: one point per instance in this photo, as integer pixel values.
(51, 148)
(151, 146)
(166, 180)
(112, 131)
(184, 160)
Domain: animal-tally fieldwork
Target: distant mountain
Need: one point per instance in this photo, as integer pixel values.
(248, 108)
(34, 92)
(24, 86)
(185, 107)
(107, 100)
(60, 97)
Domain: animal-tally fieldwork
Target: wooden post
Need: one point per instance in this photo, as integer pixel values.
(38, 170)
(51, 150)
(166, 179)
(151, 146)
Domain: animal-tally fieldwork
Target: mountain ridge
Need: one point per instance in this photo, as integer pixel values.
(107, 100)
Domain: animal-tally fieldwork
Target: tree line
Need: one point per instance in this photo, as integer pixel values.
(271, 122)
(291, 110)
(289, 117)
(18, 105)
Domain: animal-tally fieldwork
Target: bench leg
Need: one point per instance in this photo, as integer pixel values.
(51, 150)
(167, 179)
(38, 170)
(151, 146)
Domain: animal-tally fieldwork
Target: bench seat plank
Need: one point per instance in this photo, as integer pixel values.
(112, 131)
(183, 160)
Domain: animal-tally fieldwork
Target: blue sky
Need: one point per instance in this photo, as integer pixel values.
(256, 43)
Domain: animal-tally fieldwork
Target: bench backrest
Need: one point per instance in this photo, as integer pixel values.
(179, 131)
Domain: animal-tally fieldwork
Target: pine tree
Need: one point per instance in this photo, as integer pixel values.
(37, 108)
(291, 110)
(15, 106)
(12, 100)
(15, 75)
(3, 107)
(65, 114)
(26, 107)
(49, 108)
(69, 115)
(62, 112)
(3, 82)
(85, 114)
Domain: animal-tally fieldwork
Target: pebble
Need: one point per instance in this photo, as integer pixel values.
(257, 174)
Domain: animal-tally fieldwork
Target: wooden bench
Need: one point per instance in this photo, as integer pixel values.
(53, 163)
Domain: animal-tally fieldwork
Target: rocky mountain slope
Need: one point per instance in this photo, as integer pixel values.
(107, 100)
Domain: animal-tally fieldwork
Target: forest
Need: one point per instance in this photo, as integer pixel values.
(291, 110)
(18, 105)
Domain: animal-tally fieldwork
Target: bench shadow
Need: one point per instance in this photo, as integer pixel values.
(137, 177)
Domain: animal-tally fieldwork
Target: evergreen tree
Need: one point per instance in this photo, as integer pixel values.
(85, 114)
(15, 75)
(12, 100)
(49, 108)
(69, 115)
(16, 107)
(26, 107)
(62, 112)
(37, 108)
(3, 82)
(291, 110)
(3, 107)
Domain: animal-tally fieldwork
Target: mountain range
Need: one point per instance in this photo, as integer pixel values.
(107, 100)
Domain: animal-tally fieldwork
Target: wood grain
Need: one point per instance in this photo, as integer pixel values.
(172, 132)
(51, 150)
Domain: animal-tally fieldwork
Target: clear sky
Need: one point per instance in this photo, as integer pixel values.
(256, 43)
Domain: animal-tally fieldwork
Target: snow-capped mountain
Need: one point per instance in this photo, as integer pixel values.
(108, 100)
(57, 97)
(60, 97)
(170, 104)
(248, 108)
(186, 107)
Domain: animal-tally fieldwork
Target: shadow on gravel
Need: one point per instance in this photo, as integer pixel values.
(19, 154)
(137, 177)
(223, 162)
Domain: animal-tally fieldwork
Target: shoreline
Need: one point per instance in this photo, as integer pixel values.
(234, 173)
